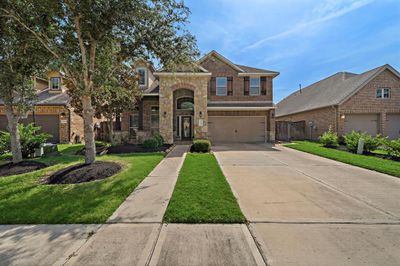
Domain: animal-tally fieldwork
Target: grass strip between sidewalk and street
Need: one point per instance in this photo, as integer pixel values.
(202, 194)
(369, 162)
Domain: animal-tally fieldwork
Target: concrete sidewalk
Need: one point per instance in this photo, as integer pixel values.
(148, 202)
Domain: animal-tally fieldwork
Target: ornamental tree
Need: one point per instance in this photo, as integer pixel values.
(81, 35)
(21, 58)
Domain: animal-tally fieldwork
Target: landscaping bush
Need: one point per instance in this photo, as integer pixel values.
(393, 148)
(4, 142)
(151, 143)
(329, 139)
(159, 139)
(31, 139)
(201, 145)
(370, 143)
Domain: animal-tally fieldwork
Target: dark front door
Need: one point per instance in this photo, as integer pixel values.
(186, 127)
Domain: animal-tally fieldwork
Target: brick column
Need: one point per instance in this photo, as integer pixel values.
(271, 126)
(382, 124)
(166, 111)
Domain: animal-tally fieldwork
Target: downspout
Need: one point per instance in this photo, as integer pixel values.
(69, 125)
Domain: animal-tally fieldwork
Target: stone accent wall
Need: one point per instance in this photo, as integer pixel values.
(219, 68)
(365, 101)
(322, 118)
(198, 84)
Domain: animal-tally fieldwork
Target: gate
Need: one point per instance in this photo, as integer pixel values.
(287, 131)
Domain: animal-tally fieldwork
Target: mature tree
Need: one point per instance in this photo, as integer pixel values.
(20, 60)
(80, 33)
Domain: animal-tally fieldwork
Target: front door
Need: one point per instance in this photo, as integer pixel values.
(186, 127)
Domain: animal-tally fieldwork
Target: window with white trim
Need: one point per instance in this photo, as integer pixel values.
(55, 83)
(383, 93)
(142, 75)
(254, 86)
(222, 86)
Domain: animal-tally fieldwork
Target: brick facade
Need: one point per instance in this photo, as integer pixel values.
(219, 68)
(364, 101)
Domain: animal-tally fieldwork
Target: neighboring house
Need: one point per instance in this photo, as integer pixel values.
(215, 99)
(52, 111)
(367, 102)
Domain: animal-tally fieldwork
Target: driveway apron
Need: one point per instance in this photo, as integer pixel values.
(308, 210)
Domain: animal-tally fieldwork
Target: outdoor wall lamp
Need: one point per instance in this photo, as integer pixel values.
(342, 116)
(165, 114)
(201, 114)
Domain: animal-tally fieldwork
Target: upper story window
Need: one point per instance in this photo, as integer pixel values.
(185, 103)
(55, 83)
(142, 75)
(222, 86)
(383, 93)
(254, 86)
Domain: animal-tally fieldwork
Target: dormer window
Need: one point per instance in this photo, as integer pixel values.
(142, 76)
(55, 83)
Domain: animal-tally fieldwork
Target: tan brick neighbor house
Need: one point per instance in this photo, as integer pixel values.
(219, 100)
(367, 102)
(52, 111)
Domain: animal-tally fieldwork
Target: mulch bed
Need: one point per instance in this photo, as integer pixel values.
(131, 148)
(20, 168)
(81, 173)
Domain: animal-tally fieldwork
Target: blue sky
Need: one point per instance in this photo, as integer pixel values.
(305, 40)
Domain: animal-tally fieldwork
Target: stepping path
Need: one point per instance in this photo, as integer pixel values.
(148, 202)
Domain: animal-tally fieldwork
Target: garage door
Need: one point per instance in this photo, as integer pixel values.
(393, 125)
(50, 125)
(362, 123)
(236, 129)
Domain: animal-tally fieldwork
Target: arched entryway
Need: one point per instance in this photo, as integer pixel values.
(183, 117)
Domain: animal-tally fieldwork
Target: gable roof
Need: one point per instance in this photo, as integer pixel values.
(222, 58)
(253, 70)
(332, 90)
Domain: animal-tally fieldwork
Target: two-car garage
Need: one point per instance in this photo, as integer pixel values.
(237, 129)
(370, 123)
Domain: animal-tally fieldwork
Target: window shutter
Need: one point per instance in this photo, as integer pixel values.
(246, 85)
(230, 86)
(213, 90)
(263, 85)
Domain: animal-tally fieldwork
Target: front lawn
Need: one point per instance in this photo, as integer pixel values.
(23, 200)
(364, 161)
(202, 194)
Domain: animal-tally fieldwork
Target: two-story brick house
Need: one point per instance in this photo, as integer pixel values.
(52, 111)
(218, 100)
(367, 102)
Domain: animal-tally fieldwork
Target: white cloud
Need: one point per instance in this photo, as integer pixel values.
(328, 10)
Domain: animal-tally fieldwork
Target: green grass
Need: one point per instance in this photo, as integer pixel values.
(202, 194)
(364, 161)
(23, 200)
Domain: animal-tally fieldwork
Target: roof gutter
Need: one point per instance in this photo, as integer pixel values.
(239, 108)
(258, 74)
(181, 74)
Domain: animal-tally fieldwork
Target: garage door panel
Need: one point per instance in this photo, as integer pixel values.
(362, 123)
(393, 126)
(236, 129)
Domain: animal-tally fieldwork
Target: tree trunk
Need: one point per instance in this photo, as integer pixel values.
(14, 135)
(110, 130)
(90, 145)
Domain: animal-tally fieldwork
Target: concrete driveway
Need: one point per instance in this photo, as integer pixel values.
(308, 210)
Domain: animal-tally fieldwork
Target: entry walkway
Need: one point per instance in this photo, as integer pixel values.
(148, 202)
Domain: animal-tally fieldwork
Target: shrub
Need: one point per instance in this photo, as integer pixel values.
(151, 143)
(329, 139)
(31, 139)
(393, 148)
(370, 143)
(159, 139)
(201, 145)
(4, 142)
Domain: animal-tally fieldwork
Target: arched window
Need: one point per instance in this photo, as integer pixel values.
(185, 103)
